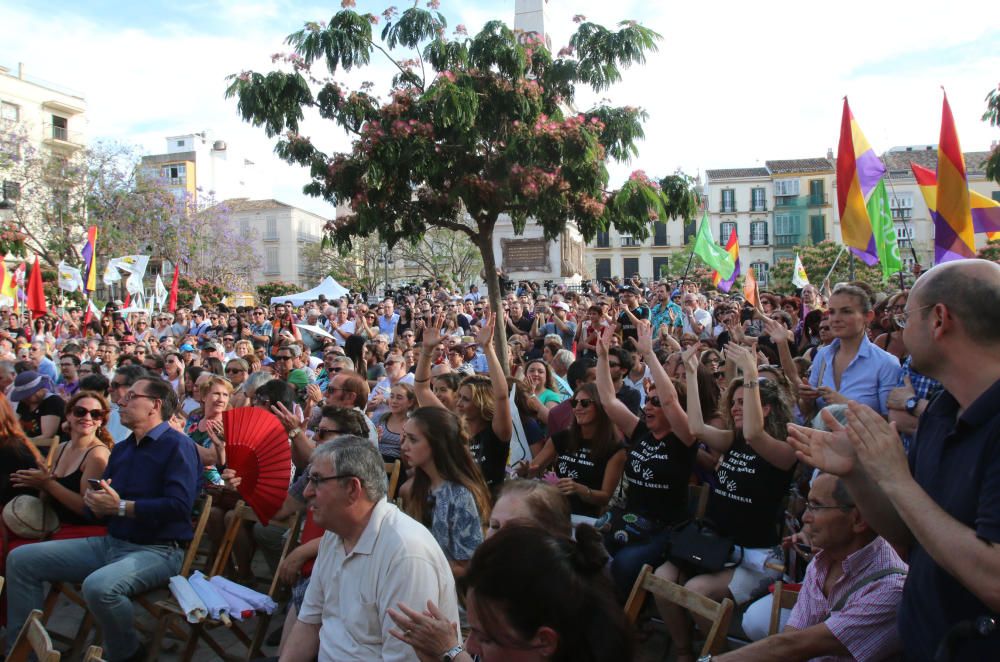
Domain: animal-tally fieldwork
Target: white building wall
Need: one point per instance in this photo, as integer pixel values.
(280, 233)
(35, 103)
(222, 171)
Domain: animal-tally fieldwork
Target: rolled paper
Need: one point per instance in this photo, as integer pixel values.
(215, 603)
(259, 601)
(193, 606)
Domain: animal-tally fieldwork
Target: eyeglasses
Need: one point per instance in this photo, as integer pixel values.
(234, 371)
(903, 318)
(614, 365)
(132, 395)
(655, 400)
(95, 414)
(283, 358)
(581, 402)
(118, 385)
(324, 434)
(812, 507)
(316, 480)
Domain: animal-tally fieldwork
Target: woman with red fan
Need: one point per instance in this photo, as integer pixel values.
(447, 493)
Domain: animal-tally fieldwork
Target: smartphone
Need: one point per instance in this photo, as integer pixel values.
(95, 484)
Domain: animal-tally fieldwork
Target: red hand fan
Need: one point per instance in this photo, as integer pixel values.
(257, 449)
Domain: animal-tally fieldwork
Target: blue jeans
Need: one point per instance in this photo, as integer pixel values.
(628, 560)
(112, 571)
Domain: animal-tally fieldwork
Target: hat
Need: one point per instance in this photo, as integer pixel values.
(29, 517)
(187, 347)
(561, 305)
(212, 346)
(298, 377)
(675, 293)
(27, 384)
(626, 289)
(128, 339)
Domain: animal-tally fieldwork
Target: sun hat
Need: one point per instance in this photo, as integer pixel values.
(27, 384)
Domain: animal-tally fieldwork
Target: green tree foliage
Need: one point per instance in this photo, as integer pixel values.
(817, 261)
(992, 115)
(473, 127)
(991, 251)
(274, 289)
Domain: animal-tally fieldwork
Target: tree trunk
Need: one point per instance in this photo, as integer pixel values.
(485, 242)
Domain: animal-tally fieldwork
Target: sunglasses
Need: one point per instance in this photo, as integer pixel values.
(323, 434)
(95, 414)
(581, 402)
(234, 371)
(655, 400)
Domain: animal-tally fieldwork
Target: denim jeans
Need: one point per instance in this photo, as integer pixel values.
(628, 560)
(112, 571)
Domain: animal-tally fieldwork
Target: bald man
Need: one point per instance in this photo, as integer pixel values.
(942, 504)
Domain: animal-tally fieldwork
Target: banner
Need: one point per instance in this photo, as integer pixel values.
(70, 278)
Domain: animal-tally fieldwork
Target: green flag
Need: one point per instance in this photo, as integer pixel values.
(711, 253)
(884, 231)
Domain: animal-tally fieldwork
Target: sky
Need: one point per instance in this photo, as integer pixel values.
(733, 84)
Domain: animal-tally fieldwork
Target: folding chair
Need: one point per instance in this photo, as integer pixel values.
(94, 654)
(170, 612)
(47, 449)
(784, 597)
(72, 593)
(718, 613)
(33, 639)
(394, 469)
(697, 500)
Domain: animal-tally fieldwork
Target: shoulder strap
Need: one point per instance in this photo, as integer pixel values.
(865, 581)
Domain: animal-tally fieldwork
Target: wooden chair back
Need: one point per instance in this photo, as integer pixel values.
(717, 613)
(199, 532)
(394, 470)
(697, 500)
(244, 513)
(94, 654)
(33, 638)
(783, 598)
(47, 449)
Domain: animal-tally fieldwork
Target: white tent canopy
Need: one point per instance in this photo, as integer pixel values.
(329, 288)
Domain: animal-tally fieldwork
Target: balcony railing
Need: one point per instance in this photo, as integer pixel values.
(784, 240)
(630, 242)
(902, 213)
(727, 208)
(817, 200)
(758, 206)
(786, 201)
(310, 238)
(758, 241)
(62, 134)
(271, 236)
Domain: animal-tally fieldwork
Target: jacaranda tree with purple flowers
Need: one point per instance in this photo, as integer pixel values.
(472, 128)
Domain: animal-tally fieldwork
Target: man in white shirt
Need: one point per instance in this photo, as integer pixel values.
(372, 557)
(696, 320)
(341, 327)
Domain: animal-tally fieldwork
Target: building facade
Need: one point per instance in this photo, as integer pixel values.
(195, 167)
(280, 231)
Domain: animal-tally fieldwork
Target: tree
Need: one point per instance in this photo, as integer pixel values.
(817, 261)
(361, 269)
(992, 115)
(991, 251)
(274, 289)
(472, 128)
(443, 254)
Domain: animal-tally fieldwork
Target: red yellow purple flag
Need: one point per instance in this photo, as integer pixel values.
(954, 237)
(733, 248)
(985, 212)
(859, 170)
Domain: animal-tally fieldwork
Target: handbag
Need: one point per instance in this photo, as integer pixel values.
(28, 516)
(697, 545)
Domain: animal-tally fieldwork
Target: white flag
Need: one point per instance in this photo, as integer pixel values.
(196, 304)
(70, 278)
(94, 310)
(134, 285)
(160, 292)
(111, 274)
(799, 277)
(134, 264)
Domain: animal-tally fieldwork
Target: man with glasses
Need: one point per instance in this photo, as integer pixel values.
(847, 606)
(349, 389)
(259, 329)
(120, 382)
(69, 378)
(162, 328)
(388, 320)
(43, 364)
(376, 558)
(146, 498)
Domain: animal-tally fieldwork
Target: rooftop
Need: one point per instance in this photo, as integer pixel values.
(897, 163)
(789, 166)
(736, 173)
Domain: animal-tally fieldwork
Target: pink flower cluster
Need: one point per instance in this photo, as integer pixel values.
(434, 4)
(348, 4)
(390, 13)
(591, 206)
(532, 181)
(448, 76)
(579, 18)
(571, 125)
(410, 128)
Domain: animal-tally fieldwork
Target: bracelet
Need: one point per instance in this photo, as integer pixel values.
(590, 493)
(421, 381)
(750, 383)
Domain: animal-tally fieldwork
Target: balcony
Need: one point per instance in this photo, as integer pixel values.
(786, 201)
(786, 240)
(758, 206)
(61, 137)
(271, 236)
(308, 237)
(903, 213)
(758, 241)
(630, 242)
(818, 200)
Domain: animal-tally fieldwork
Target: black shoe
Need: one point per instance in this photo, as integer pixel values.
(139, 655)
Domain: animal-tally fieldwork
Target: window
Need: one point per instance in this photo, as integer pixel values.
(180, 143)
(786, 187)
(175, 175)
(603, 266)
(630, 241)
(11, 190)
(728, 200)
(761, 271)
(758, 199)
(244, 228)
(816, 194)
(271, 261)
(60, 128)
(786, 229)
(270, 228)
(904, 233)
(630, 267)
(758, 233)
(660, 266)
(660, 235)
(996, 196)
(603, 239)
(10, 112)
(690, 230)
(725, 230)
(901, 206)
(817, 228)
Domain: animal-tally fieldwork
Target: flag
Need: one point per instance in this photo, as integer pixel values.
(6, 283)
(884, 231)
(89, 254)
(985, 212)
(172, 306)
(134, 264)
(799, 277)
(17, 284)
(750, 292)
(954, 237)
(36, 295)
(70, 278)
(711, 253)
(160, 292)
(111, 274)
(858, 171)
(196, 304)
(133, 284)
(733, 248)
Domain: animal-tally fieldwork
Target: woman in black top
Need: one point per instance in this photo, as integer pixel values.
(16, 452)
(754, 474)
(659, 460)
(587, 458)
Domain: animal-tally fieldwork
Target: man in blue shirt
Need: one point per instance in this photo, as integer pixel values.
(387, 323)
(146, 498)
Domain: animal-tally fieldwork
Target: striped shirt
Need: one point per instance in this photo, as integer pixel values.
(866, 624)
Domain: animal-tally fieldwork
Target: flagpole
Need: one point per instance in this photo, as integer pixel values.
(688, 268)
(835, 261)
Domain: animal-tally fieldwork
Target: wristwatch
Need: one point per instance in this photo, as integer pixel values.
(705, 658)
(121, 508)
(451, 654)
(911, 405)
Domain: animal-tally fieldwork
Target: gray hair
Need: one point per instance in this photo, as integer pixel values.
(564, 358)
(345, 361)
(354, 456)
(255, 381)
(7, 367)
(553, 337)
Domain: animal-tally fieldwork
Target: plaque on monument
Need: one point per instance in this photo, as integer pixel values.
(525, 254)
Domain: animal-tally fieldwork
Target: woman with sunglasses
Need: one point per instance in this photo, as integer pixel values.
(660, 452)
(78, 460)
(587, 459)
(173, 372)
(390, 425)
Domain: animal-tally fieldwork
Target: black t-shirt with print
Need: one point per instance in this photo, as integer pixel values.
(745, 502)
(628, 327)
(490, 453)
(583, 467)
(656, 475)
(31, 421)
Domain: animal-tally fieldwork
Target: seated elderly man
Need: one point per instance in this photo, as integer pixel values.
(146, 497)
(851, 592)
(372, 558)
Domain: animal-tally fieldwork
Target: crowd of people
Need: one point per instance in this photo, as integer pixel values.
(844, 441)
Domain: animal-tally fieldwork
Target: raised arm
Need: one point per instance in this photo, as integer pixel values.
(665, 391)
(422, 374)
(775, 451)
(781, 337)
(503, 425)
(615, 409)
(716, 439)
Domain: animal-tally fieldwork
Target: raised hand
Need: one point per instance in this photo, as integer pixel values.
(604, 341)
(777, 331)
(485, 335)
(831, 452)
(644, 342)
(876, 444)
(742, 357)
(690, 359)
(432, 334)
